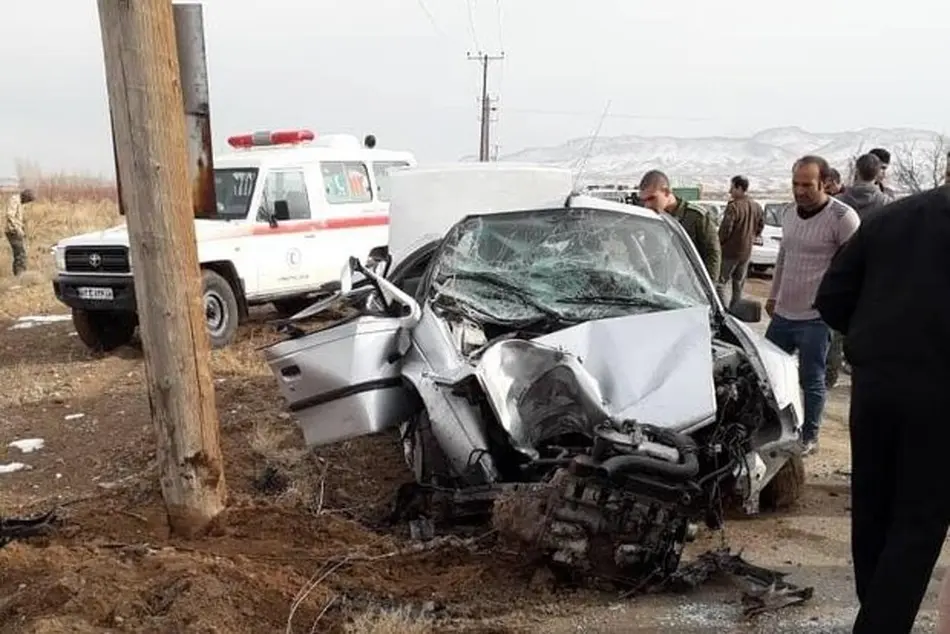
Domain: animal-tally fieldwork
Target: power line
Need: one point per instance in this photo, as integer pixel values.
(431, 18)
(501, 36)
(471, 23)
(612, 115)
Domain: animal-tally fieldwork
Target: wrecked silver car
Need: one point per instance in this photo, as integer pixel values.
(556, 362)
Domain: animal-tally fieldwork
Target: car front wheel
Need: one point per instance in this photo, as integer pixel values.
(104, 330)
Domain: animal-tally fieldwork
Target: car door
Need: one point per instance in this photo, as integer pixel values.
(281, 246)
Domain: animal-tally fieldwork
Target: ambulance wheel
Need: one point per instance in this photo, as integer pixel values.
(104, 330)
(221, 308)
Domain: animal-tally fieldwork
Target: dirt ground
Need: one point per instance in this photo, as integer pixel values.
(304, 547)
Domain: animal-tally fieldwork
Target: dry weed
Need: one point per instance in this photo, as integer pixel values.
(401, 621)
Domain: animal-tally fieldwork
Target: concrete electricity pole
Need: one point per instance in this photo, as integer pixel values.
(151, 150)
(484, 148)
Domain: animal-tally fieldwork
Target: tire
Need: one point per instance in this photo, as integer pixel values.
(104, 330)
(423, 454)
(787, 487)
(222, 315)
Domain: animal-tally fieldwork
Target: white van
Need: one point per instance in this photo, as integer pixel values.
(291, 210)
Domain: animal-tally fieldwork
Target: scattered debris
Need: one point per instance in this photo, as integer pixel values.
(27, 445)
(764, 590)
(16, 528)
(74, 416)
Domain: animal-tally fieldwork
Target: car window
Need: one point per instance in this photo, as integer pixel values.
(773, 213)
(381, 171)
(346, 182)
(233, 189)
(289, 186)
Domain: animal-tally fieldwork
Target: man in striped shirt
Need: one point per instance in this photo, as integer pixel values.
(812, 233)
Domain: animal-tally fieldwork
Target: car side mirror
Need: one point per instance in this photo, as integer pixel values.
(281, 210)
(346, 275)
(379, 261)
(747, 310)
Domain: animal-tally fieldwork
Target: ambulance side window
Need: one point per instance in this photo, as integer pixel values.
(381, 174)
(289, 186)
(346, 182)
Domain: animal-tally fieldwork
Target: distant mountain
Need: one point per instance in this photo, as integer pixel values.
(765, 158)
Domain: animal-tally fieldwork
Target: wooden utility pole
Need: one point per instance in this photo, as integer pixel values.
(193, 70)
(145, 98)
(484, 148)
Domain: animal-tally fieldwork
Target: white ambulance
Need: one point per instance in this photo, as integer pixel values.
(291, 210)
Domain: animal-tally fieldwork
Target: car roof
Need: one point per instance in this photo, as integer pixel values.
(427, 201)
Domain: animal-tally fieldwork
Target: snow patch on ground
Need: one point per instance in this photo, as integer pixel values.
(28, 445)
(32, 321)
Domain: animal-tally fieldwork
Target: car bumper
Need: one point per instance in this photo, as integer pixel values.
(96, 292)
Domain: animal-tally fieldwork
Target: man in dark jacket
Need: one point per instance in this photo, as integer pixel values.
(885, 158)
(886, 290)
(865, 195)
(833, 185)
(742, 221)
(656, 194)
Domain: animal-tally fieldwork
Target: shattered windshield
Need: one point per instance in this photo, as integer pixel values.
(570, 263)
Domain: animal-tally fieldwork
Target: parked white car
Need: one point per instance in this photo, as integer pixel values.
(765, 248)
(716, 208)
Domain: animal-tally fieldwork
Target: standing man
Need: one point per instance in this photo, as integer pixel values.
(742, 221)
(811, 235)
(865, 195)
(14, 230)
(656, 194)
(885, 157)
(885, 291)
(833, 183)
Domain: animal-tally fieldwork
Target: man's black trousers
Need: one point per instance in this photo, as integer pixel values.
(900, 490)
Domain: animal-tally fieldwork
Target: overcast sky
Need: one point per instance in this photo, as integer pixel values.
(398, 69)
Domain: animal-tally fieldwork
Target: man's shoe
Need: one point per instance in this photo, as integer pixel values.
(810, 447)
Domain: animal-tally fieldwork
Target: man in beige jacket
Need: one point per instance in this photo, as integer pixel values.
(13, 227)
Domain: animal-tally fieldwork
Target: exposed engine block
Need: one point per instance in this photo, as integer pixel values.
(594, 529)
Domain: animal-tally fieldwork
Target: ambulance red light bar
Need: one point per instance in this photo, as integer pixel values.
(280, 137)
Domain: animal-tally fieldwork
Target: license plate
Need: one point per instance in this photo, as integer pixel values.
(95, 293)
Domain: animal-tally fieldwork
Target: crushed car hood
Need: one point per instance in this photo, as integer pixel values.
(655, 368)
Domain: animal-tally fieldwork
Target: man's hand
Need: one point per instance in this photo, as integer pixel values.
(770, 307)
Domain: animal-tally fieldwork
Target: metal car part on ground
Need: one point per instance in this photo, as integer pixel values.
(558, 364)
(290, 211)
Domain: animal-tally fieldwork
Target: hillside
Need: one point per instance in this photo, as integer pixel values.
(765, 157)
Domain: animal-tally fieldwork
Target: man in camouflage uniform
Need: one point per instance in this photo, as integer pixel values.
(656, 194)
(14, 230)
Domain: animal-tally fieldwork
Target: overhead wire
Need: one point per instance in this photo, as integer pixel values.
(501, 77)
(471, 24)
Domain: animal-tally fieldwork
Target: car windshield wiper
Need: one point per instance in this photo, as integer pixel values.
(616, 300)
(511, 287)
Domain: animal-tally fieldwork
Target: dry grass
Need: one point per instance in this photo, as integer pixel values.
(62, 187)
(389, 622)
(46, 224)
